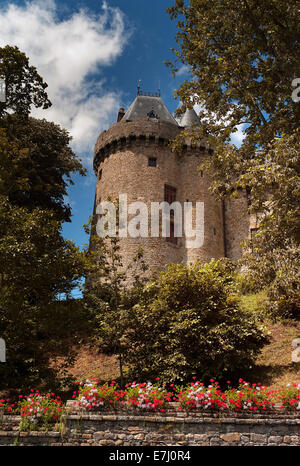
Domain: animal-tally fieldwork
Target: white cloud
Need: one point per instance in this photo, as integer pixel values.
(236, 137)
(184, 69)
(65, 53)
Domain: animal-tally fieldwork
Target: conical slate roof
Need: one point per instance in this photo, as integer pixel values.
(149, 107)
(189, 118)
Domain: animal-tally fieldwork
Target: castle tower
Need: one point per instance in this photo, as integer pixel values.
(133, 157)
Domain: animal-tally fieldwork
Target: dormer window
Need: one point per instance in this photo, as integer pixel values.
(152, 114)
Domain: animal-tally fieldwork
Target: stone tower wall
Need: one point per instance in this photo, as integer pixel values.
(238, 223)
(121, 155)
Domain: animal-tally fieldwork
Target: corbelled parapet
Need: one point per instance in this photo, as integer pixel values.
(145, 131)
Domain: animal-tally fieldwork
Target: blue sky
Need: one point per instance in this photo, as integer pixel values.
(92, 53)
(152, 35)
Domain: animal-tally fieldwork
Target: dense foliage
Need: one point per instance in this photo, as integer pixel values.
(242, 61)
(24, 86)
(112, 289)
(39, 269)
(36, 164)
(188, 322)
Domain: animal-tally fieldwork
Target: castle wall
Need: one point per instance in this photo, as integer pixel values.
(238, 223)
(169, 428)
(195, 188)
(121, 156)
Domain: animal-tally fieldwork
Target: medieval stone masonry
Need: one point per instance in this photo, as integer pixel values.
(159, 429)
(133, 157)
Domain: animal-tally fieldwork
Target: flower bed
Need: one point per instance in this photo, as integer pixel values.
(91, 395)
(36, 411)
(246, 397)
(44, 412)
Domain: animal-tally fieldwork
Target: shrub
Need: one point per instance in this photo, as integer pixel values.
(91, 395)
(248, 280)
(146, 396)
(284, 292)
(189, 322)
(290, 397)
(255, 303)
(246, 397)
(277, 272)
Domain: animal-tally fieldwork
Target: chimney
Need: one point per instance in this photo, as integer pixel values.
(120, 114)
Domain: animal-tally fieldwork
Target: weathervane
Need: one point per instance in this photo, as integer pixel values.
(138, 86)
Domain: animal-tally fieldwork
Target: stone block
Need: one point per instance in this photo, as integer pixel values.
(231, 437)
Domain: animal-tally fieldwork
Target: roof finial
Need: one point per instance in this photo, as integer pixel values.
(159, 88)
(138, 86)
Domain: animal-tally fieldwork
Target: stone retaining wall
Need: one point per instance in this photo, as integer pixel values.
(163, 429)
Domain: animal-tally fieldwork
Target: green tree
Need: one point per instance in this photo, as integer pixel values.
(110, 295)
(278, 274)
(39, 320)
(24, 86)
(242, 60)
(189, 323)
(37, 172)
(284, 291)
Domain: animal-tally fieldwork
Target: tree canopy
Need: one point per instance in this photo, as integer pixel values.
(242, 60)
(38, 318)
(36, 164)
(24, 86)
(36, 160)
(39, 269)
(188, 322)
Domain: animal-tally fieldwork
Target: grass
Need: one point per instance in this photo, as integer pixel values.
(254, 303)
(274, 366)
(90, 362)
